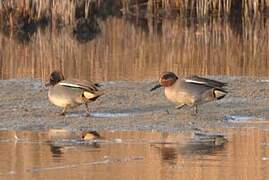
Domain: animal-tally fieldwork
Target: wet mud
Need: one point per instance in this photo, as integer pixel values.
(129, 105)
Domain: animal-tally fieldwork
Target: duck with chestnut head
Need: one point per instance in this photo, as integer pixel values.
(190, 91)
(71, 93)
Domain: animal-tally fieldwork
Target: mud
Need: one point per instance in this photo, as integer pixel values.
(131, 106)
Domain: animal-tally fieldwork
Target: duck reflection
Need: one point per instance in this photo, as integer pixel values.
(200, 144)
(57, 151)
(168, 153)
(204, 144)
(88, 139)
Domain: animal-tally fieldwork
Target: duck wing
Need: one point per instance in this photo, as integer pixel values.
(205, 81)
(88, 86)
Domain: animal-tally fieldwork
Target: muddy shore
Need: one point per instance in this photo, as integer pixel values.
(131, 106)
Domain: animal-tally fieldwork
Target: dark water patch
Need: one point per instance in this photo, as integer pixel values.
(86, 29)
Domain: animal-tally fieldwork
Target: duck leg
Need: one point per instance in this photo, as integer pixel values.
(63, 112)
(87, 109)
(195, 109)
(180, 106)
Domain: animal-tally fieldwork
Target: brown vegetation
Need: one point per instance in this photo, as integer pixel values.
(22, 17)
(201, 8)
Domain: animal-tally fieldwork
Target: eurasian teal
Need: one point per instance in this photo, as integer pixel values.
(71, 93)
(190, 91)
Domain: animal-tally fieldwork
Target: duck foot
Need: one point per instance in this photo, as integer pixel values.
(64, 111)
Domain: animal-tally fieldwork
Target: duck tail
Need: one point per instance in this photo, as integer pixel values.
(98, 84)
(219, 93)
(92, 96)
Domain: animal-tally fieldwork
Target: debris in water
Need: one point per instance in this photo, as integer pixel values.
(16, 137)
(118, 140)
(265, 158)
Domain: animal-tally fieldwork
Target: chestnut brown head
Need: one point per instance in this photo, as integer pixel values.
(55, 77)
(167, 79)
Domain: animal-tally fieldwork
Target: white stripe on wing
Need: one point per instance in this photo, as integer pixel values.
(193, 81)
(70, 85)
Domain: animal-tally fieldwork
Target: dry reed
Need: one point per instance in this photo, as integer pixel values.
(194, 8)
(67, 10)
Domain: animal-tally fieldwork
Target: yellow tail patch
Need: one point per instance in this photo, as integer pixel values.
(89, 95)
(219, 94)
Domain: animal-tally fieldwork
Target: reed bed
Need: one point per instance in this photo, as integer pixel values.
(66, 11)
(194, 8)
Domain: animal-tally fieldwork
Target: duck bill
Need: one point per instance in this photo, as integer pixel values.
(156, 87)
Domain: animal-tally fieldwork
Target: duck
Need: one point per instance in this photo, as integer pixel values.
(71, 93)
(190, 91)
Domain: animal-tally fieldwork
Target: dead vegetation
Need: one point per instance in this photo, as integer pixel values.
(22, 18)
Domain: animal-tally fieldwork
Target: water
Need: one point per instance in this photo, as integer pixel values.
(133, 155)
(128, 50)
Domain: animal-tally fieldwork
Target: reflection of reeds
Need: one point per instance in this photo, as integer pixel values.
(23, 17)
(204, 48)
(199, 8)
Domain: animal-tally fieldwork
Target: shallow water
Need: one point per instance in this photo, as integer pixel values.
(133, 155)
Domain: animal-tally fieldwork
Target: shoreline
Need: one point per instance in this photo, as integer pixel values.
(130, 106)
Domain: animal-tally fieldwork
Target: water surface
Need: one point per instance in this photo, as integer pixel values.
(138, 50)
(133, 155)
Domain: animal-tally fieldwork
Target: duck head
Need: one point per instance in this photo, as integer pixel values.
(167, 79)
(55, 77)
